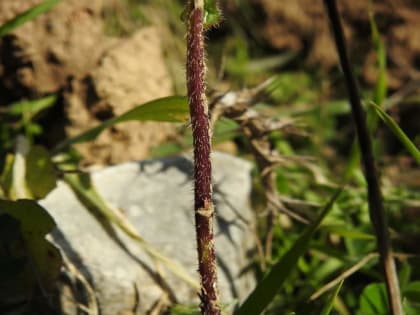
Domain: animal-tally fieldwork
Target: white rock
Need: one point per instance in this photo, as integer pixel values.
(157, 197)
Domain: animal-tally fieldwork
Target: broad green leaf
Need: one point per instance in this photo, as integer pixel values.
(87, 193)
(9, 228)
(412, 291)
(328, 307)
(272, 282)
(212, 14)
(12, 269)
(404, 274)
(26, 16)
(411, 308)
(35, 222)
(170, 109)
(40, 174)
(12, 261)
(411, 300)
(29, 173)
(404, 139)
(373, 300)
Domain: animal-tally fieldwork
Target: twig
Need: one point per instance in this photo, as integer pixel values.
(376, 208)
(343, 276)
(204, 210)
(92, 307)
(237, 105)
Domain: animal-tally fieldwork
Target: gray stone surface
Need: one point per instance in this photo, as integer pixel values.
(157, 197)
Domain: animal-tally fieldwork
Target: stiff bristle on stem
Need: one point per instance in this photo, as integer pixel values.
(204, 210)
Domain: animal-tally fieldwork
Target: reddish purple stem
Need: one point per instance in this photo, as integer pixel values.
(204, 212)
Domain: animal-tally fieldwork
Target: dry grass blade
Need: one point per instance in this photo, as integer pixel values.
(343, 276)
(26, 16)
(256, 127)
(92, 307)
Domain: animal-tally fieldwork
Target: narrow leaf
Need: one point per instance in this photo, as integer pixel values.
(412, 291)
(374, 300)
(6, 177)
(411, 301)
(347, 232)
(328, 307)
(381, 82)
(380, 90)
(32, 107)
(170, 109)
(404, 139)
(26, 16)
(269, 286)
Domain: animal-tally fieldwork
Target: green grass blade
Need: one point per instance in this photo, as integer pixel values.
(380, 90)
(405, 141)
(26, 16)
(172, 109)
(328, 307)
(268, 287)
(347, 232)
(169, 109)
(381, 82)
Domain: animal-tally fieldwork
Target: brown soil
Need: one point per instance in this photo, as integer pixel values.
(65, 51)
(302, 25)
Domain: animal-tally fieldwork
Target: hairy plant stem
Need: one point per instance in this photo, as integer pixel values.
(204, 210)
(376, 208)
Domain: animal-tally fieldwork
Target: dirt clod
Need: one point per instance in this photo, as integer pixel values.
(65, 51)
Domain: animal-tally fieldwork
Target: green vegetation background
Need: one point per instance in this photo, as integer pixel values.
(343, 248)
